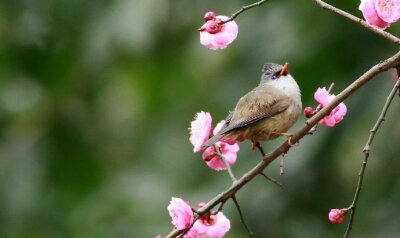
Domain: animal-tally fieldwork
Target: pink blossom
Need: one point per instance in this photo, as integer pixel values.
(336, 216)
(218, 128)
(228, 151)
(388, 10)
(370, 12)
(336, 115)
(200, 130)
(212, 226)
(192, 233)
(181, 213)
(215, 35)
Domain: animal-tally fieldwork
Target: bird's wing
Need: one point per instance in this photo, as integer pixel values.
(218, 136)
(262, 102)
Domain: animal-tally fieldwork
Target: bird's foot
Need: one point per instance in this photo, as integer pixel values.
(289, 137)
(255, 145)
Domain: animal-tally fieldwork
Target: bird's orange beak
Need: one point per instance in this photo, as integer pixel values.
(285, 69)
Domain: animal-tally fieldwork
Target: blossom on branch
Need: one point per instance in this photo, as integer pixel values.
(228, 149)
(336, 216)
(380, 13)
(215, 34)
(209, 226)
(336, 115)
(212, 226)
(181, 213)
(309, 112)
(200, 130)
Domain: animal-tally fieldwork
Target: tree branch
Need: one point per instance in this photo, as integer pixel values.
(244, 8)
(272, 179)
(359, 21)
(283, 148)
(366, 151)
(241, 216)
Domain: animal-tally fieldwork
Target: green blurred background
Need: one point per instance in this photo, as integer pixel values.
(96, 98)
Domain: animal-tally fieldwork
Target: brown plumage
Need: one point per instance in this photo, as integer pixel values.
(265, 112)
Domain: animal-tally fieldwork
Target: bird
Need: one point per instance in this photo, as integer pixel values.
(266, 112)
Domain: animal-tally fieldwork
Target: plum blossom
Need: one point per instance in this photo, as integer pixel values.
(228, 149)
(388, 10)
(212, 226)
(380, 13)
(200, 130)
(181, 213)
(336, 115)
(217, 35)
(336, 216)
(209, 226)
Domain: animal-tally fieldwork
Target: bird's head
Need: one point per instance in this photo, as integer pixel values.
(274, 72)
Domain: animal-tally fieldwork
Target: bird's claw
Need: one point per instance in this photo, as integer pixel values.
(255, 145)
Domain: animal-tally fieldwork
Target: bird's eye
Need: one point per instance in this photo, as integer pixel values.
(275, 75)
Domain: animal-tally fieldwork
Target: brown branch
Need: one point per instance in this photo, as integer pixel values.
(283, 148)
(359, 21)
(272, 179)
(366, 151)
(244, 8)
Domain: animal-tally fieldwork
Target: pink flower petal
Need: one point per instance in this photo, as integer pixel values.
(229, 152)
(221, 39)
(181, 213)
(388, 10)
(322, 96)
(218, 127)
(367, 7)
(328, 121)
(200, 130)
(217, 228)
(336, 115)
(340, 113)
(336, 216)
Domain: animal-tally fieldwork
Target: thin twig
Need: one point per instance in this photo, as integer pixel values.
(227, 165)
(272, 179)
(241, 216)
(236, 14)
(359, 21)
(244, 8)
(281, 164)
(366, 151)
(283, 148)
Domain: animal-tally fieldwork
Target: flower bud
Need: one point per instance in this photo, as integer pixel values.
(209, 16)
(213, 27)
(309, 112)
(336, 216)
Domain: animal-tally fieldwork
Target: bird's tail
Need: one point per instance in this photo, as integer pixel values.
(212, 140)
